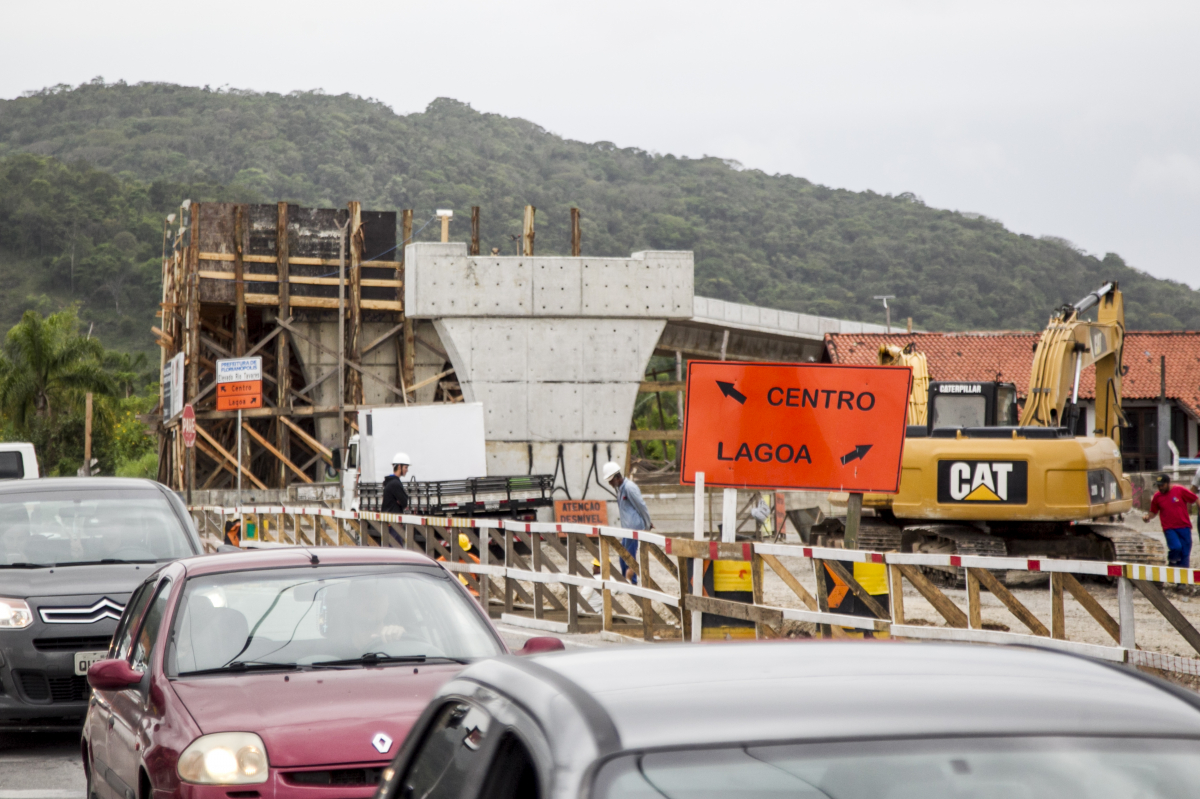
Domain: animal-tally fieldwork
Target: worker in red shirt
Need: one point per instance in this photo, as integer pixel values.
(1172, 503)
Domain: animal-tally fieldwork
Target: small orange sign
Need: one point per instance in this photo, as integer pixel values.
(820, 427)
(581, 511)
(239, 396)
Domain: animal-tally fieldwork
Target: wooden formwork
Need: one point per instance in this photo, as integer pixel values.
(241, 280)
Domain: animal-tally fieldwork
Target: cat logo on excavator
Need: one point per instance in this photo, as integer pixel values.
(995, 482)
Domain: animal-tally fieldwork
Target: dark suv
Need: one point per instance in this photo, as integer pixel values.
(71, 552)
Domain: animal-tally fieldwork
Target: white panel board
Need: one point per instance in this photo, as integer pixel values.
(445, 442)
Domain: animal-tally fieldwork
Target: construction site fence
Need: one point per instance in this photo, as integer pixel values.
(517, 585)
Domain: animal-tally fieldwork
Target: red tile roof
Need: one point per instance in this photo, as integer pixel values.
(1007, 357)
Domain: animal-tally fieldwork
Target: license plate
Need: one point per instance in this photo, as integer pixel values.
(84, 661)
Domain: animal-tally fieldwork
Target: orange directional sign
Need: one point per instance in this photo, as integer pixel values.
(821, 427)
(241, 395)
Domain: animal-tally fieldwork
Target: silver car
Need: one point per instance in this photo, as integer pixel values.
(807, 720)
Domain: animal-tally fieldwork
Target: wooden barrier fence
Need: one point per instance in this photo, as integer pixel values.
(514, 569)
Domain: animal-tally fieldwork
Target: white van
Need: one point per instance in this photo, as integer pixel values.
(18, 461)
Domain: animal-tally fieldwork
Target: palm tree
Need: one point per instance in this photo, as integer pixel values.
(47, 366)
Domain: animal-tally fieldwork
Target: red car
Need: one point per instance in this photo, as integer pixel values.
(276, 673)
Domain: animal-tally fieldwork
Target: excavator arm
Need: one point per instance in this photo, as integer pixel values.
(910, 356)
(1067, 347)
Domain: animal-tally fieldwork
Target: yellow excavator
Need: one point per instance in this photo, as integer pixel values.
(983, 476)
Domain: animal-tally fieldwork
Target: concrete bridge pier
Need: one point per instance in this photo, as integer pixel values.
(554, 348)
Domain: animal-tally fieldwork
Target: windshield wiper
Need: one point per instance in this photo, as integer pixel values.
(239, 666)
(372, 658)
(24, 565)
(105, 561)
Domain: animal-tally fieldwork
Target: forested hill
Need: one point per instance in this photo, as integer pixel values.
(772, 240)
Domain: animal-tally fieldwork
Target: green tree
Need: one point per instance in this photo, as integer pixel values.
(46, 366)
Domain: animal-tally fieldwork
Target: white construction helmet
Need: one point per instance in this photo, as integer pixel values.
(401, 458)
(609, 469)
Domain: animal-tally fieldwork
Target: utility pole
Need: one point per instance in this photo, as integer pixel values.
(87, 435)
(887, 310)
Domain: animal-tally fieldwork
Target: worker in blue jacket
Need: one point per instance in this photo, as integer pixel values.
(631, 509)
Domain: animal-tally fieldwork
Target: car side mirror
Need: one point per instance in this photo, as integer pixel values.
(337, 459)
(112, 675)
(542, 643)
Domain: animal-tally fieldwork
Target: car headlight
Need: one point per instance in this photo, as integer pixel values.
(14, 614)
(225, 758)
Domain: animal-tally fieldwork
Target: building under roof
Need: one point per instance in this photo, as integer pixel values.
(1161, 387)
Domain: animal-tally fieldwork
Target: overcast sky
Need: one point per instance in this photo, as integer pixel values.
(1073, 119)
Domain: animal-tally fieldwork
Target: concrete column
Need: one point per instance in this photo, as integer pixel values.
(1164, 435)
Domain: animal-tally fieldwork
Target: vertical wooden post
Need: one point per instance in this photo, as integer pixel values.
(354, 383)
(756, 584)
(643, 556)
(572, 590)
(1058, 618)
(485, 559)
(1125, 613)
(853, 517)
(539, 590)
(191, 347)
(606, 575)
(527, 233)
(822, 595)
(509, 563)
(283, 367)
(410, 343)
(896, 594)
(576, 234)
(685, 618)
(474, 230)
(87, 434)
(974, 611)
(239, 281)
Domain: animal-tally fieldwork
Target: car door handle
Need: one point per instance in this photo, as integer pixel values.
(111, 722)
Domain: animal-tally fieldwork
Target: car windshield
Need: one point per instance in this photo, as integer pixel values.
(61, 528)
(325, 617)
(996, 768)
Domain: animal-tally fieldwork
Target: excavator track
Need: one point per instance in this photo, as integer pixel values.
(1130, 545)
(955, 539)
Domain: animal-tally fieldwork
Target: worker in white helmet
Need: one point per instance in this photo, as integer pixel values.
(395, 499)
(631, 509)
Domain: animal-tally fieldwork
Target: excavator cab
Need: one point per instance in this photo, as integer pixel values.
(958, 405)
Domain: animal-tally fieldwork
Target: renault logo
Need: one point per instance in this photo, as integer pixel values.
(381, 742)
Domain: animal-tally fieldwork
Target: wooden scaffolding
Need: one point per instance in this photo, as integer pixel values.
(273, 280)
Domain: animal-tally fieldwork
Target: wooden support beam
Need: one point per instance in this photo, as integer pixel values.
(974, 611)
(527, 234)
(1094, 608)
(354, 383)
(989, 581)
(474, 248)
(656, 435)
(410, 354)
(1169, 612)
(239, 288)
(1058, 618)
(191, 331)
(576, 234)
(225, 453)
(941, 603)
(283, 353)
(313, 444)
(269, 448)
(655, 386)
(896, 597)
(790, 581)
(661, 557)
(736, 610)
